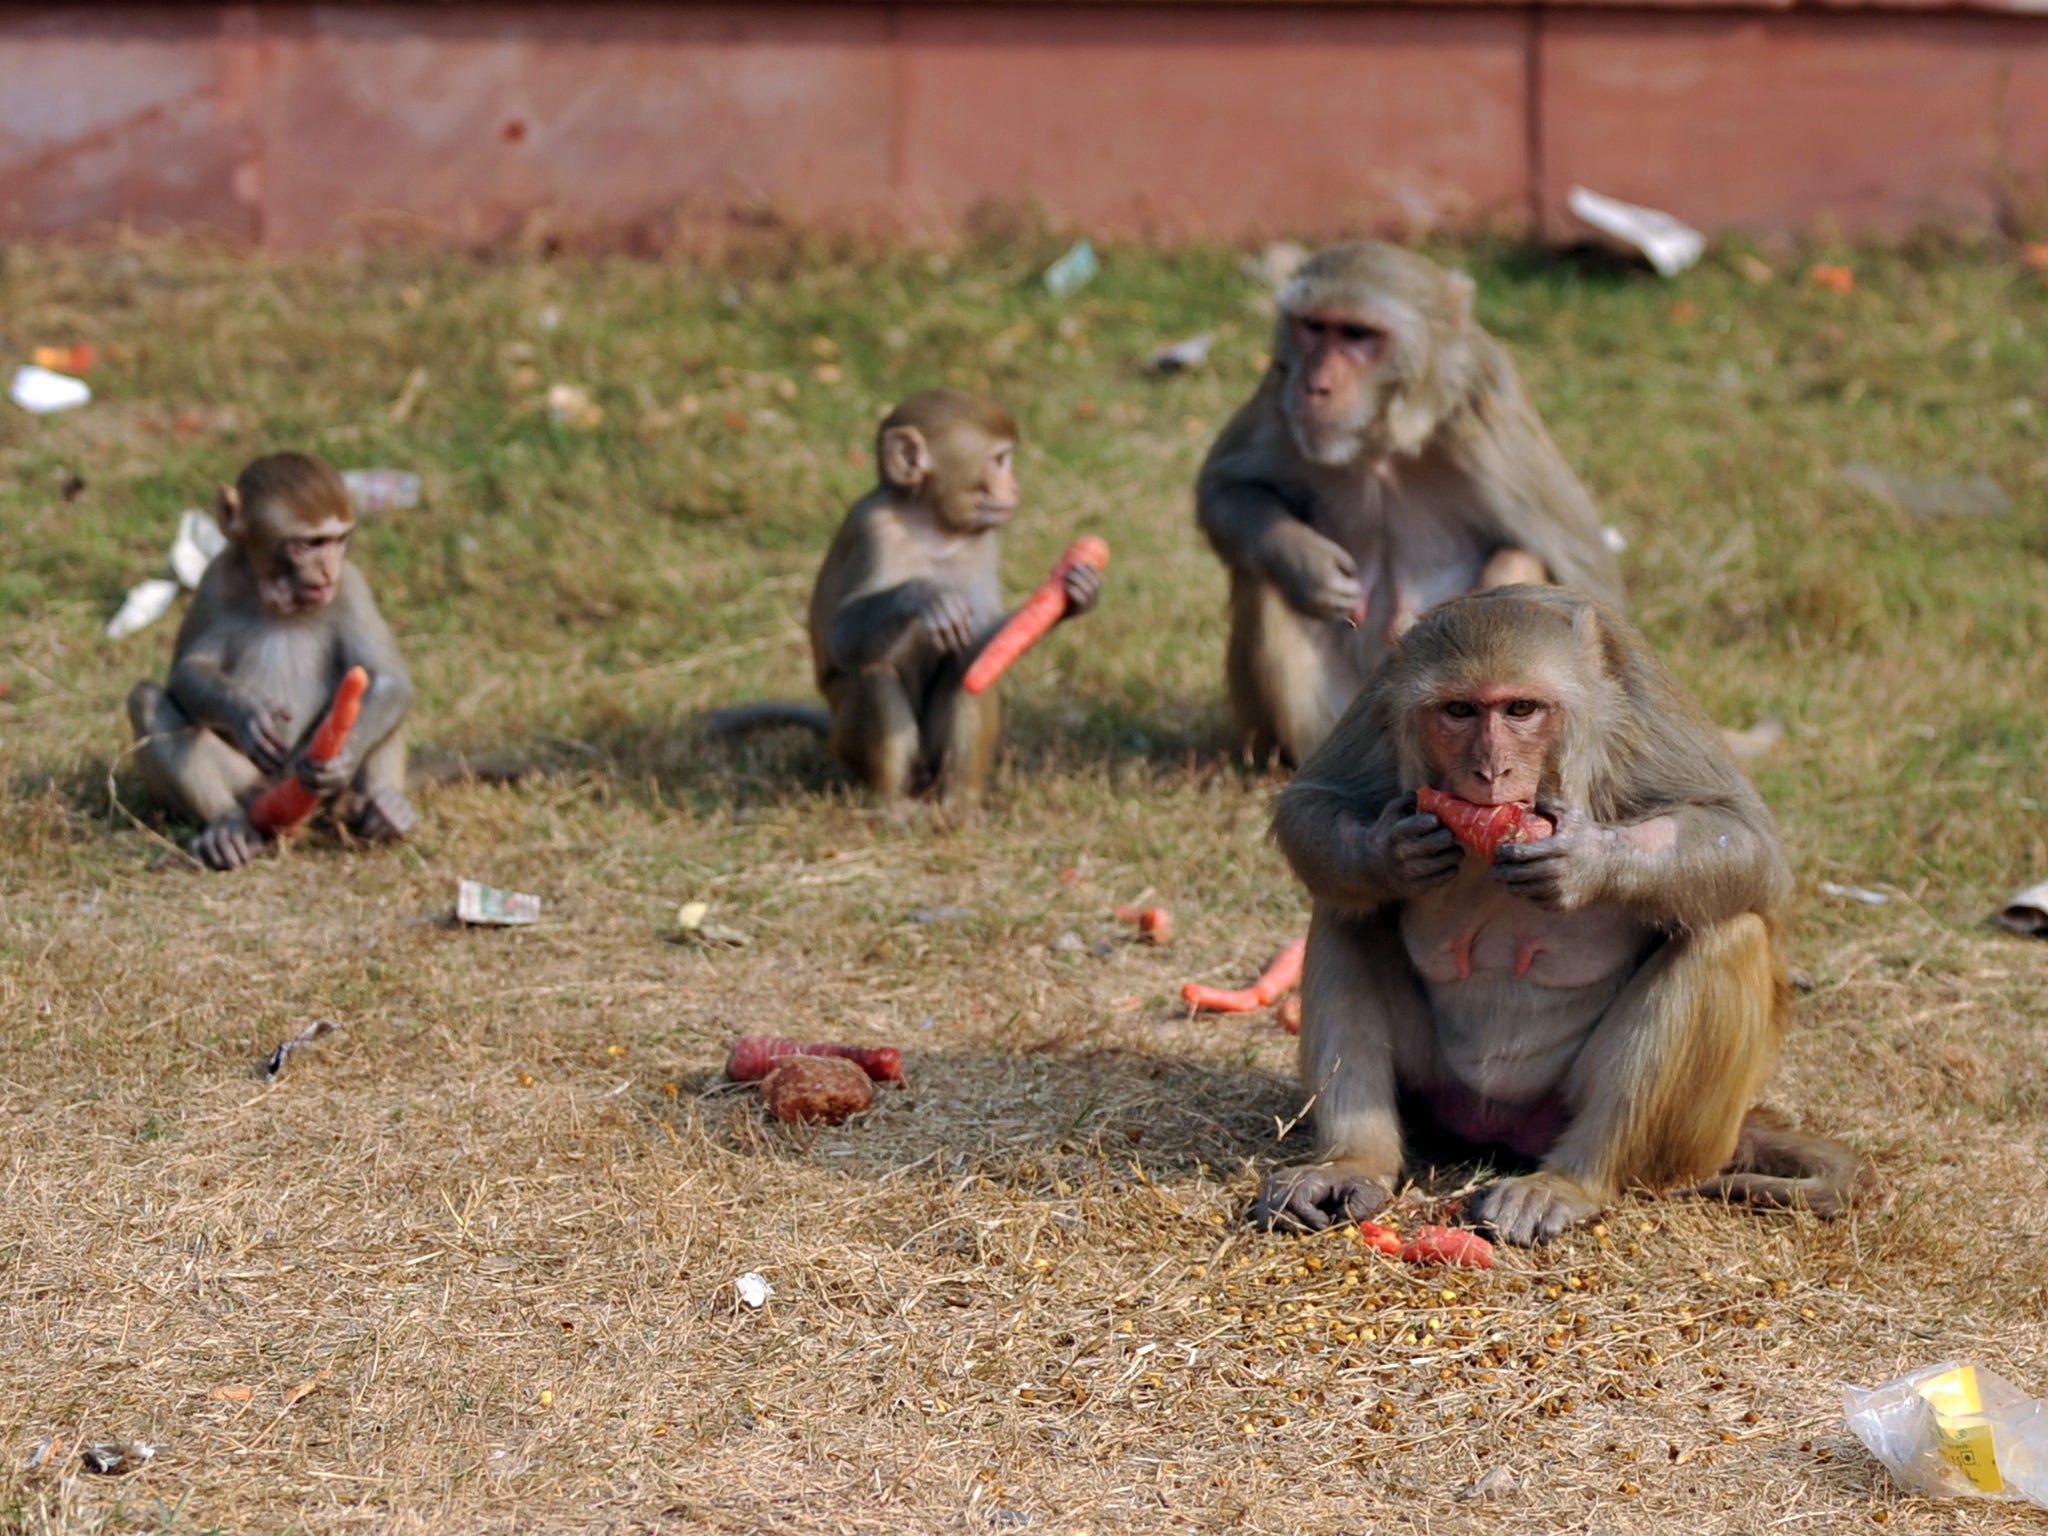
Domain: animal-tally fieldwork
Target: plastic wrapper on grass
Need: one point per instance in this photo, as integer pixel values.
(816, 1089)
(1955, 1429)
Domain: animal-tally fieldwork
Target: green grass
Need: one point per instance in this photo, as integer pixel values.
(513, 1173)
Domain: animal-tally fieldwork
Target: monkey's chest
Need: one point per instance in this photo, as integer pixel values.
(1474, 931)
(290, 670)
(1414, 542)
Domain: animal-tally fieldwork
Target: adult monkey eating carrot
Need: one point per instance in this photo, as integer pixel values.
(1387, 462)
(1606, 1000)
(278, 619)
(908, 595)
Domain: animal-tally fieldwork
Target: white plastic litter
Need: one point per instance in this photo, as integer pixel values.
(377, 491)
(1861, 893)
(754, 1289)
(41, 391)
(1955, 1429)
(199, 540)
(1669, 244)
(2027, 912)
(146, 602)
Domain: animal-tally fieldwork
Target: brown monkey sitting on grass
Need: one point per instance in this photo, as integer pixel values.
(1388, 461)
(908, 595)
(278, 618)
(1606, 1000)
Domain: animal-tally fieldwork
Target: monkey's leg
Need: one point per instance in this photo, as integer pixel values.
(1365, 1030)
(1285, 690)
(1658, 1092)
(959, 736)
(376, 806)
(1512, 567)
(194, 772)
(874, 730)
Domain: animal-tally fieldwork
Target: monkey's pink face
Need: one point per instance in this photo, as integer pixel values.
(1491, 747)
(300, 570)
(1332, 398)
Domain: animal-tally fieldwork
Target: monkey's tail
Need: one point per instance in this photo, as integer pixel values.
(741, 719)
(1778, 1168)
(465, 770)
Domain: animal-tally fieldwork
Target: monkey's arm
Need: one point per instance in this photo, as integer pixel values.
(362, 639)
(204, 690)
(1355, 861)
(1250, 527)
(1686, 869)
(871, 630)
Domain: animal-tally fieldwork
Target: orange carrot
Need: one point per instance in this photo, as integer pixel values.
(287, 803)
(1485, 829)
(1288, 1014)
(1274, 983)
(1155, 924)
(1372, 1235)
(1031, 623)
(1448, 1245)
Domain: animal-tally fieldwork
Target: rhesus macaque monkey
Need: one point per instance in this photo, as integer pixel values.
(906, 598)
(1388, 461)
(1606, 1001)
(278, 618)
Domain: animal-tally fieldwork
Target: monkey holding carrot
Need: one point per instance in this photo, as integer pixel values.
(909, 598)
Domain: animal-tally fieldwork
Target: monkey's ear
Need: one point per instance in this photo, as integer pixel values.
(1460, 287)
(906, 457)
(227, 510)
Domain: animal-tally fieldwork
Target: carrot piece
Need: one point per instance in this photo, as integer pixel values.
(1448, 1245)
(1372, 1235)
(754, 1056)
(1032, 622)
(1288, 1014)
(1155, 924)
(282, 807)
(1485, 829)
(1278, 979)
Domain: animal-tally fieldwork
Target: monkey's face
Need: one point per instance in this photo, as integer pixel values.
(1335, 388)
(298, 559)
(1492, 746)
(977, 483)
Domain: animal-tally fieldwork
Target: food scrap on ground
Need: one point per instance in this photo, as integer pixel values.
(1279, 978)
(753, 1057)
(1448, 1245)
(825, 1089)
(1155, 924)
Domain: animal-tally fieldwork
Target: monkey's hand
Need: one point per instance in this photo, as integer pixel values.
(1568, 869)
(257, 733)
(1409, 852)
(947, 619)
(1315, 575)
(1533, 1207)
(1310, 1199)
(326, 779)
(384, 817)
(228, 843)
(1083, 584)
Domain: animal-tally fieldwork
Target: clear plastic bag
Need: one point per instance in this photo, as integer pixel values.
(1955, 1429)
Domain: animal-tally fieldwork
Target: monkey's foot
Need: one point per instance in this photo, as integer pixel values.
(1533, 1207)
(384, 817)
(1311, 1199)
(228, 844)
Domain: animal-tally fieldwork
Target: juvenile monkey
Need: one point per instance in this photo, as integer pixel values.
(1606, 1001)
(279, 616)
(1388, 461)
(907, 596)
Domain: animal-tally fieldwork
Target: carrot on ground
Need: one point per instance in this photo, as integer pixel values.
(1032, 622)
(1155, 924)
(1372, 1235)
(287, 803)
(1448, 1245)
(1275, 982)
(754, 1056)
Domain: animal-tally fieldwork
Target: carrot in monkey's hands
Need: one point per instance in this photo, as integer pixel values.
(1032, 622)
(1274, 983)
(287, 803)
(1484, 829)
(754, 1056)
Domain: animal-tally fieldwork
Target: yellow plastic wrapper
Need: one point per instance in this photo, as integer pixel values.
(1955, 1429)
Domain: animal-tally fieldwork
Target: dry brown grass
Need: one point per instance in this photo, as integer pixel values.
(496, 1220)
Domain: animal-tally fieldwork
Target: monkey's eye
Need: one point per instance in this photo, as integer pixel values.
(1458, 709)
(1521, 709)
(1358, 335)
